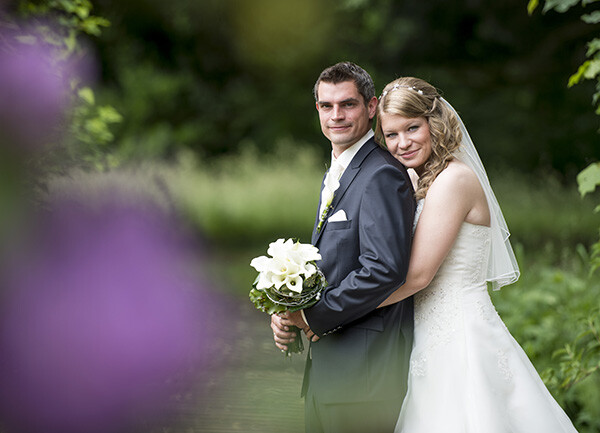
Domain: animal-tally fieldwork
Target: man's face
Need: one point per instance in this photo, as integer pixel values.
(343, 115)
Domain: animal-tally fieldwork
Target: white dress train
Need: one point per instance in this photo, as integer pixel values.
(467, 373)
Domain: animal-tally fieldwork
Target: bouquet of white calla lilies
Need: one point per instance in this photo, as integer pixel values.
(288, 280)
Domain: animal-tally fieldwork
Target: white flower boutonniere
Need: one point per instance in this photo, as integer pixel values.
(330, 185)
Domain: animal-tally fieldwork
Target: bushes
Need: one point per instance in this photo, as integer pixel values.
(544, 311)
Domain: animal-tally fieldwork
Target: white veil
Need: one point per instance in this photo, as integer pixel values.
(502, 265)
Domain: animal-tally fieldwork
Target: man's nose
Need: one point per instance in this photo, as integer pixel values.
(338, 113)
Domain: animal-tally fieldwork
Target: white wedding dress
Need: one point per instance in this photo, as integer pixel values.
(467, 373)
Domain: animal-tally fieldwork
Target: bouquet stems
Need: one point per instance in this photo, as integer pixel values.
(296, 346)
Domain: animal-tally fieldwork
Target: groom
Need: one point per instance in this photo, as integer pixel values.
(356, 373)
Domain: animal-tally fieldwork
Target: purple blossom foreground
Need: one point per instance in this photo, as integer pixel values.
(33, 94)
(101, 323)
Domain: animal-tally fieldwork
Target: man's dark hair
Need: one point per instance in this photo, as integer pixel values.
(348, 71)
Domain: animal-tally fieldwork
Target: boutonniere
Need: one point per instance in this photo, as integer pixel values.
(324, 215)
(330, 185)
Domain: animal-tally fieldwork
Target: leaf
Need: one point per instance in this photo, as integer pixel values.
(532, 6)
(109, 114)
(559, 5)
(593, 69)
(71, 41)
(576, 77)
(589, 178)
(592, 18)
(68, 6)
(82, 12)
(593, 46)
(87, 95)
(263, 303)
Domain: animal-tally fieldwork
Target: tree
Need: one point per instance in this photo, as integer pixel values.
(580, 359)
(57, 30)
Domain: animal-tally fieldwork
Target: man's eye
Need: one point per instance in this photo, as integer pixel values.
(349, 104)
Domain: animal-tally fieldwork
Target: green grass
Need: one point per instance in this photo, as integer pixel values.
(250, 198)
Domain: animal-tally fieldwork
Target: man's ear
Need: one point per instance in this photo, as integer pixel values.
(372, 107)
(317, 105)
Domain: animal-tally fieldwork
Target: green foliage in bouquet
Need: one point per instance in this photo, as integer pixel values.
(273, 302)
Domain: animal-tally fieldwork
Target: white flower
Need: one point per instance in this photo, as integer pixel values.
(308, 252)
(262, 263)
(290, 252)
(290, 262)
(265, 280)
(280, 247)
(309, 269)
(294, 283)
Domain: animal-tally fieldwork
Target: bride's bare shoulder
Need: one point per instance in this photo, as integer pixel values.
(457, 175)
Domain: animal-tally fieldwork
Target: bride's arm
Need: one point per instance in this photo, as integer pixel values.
(449, 200)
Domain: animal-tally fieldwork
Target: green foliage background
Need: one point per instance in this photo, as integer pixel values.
(211, 75)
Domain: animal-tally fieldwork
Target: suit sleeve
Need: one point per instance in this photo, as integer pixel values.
(385, 232)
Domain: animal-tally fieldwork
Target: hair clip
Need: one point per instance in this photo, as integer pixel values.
(397, 86)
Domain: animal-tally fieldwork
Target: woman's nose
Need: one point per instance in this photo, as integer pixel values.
(403, 142)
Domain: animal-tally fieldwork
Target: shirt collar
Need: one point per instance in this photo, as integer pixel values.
(346, 156)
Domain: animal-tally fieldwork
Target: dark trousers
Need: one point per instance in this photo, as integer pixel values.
(359, 417)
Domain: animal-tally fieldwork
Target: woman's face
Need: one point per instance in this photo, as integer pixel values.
(407, 139)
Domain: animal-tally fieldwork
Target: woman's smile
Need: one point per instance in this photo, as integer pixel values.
(408, 139)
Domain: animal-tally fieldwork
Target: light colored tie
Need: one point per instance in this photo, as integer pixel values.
(330, 185)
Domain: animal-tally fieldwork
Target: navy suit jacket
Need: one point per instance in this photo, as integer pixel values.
(363, 352)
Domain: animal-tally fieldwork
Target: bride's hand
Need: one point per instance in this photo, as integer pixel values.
(310, 334)
(296, 319)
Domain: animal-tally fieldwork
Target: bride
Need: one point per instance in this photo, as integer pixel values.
(467, 373)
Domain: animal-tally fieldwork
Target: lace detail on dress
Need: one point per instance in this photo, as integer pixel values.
(418, 211)
(418, 365)
(439, 307)
(503, 365)
(438, 311)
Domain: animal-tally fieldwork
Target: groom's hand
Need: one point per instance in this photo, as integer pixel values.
(281, 331)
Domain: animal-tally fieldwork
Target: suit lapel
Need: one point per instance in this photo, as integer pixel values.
(345, 181)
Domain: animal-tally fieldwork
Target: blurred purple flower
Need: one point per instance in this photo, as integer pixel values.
(34, 93)
(103, 323)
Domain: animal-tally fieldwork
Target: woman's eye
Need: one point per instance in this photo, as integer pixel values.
(413, 128)
(390, 135)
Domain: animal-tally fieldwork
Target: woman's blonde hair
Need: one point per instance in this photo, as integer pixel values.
(412, 97)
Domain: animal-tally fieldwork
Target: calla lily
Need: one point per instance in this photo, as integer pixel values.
(294, 283)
